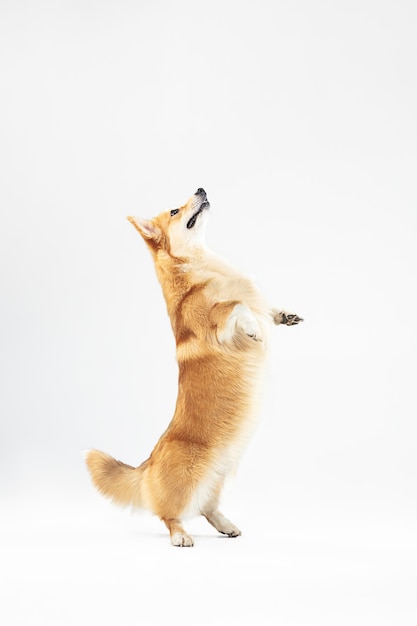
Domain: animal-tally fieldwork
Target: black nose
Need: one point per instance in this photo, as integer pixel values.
(200, 192)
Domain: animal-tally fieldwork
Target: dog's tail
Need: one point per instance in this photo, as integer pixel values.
(114, 479)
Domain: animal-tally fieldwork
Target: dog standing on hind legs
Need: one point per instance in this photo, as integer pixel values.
(221, 325)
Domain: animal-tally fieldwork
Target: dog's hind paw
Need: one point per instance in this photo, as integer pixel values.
(222, 524)
(182, 540)
(232, 531)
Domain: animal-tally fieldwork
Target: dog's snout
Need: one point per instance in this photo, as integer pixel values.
(200, 192)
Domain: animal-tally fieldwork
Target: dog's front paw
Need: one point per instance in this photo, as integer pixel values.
(290, 319)
(253, 332)
(282, 317)
(241, 320)
(247, 322)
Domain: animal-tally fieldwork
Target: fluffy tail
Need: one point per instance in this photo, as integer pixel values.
(114, 479)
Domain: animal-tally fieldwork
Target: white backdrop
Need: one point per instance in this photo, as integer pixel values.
(299, 120)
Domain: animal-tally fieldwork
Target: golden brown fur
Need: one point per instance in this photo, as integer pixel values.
(221, 325)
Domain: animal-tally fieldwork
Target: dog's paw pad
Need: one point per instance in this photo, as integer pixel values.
(282, 317)
(290, 319)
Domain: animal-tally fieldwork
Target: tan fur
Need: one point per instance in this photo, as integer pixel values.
(221, 326)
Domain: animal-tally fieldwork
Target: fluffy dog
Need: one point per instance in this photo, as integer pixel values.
(221, 326)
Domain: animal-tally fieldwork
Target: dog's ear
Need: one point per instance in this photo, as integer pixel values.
(147, 228)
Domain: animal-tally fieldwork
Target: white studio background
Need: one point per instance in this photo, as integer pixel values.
(299, 120)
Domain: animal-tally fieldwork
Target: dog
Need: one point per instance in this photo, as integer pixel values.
(221, 325)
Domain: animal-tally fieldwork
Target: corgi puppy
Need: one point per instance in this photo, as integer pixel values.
(221, 325)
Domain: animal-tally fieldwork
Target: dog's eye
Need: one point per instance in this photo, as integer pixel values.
(174, 212)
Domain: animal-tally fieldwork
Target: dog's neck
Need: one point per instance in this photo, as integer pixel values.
(176, 277)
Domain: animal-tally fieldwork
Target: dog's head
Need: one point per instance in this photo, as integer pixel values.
(178, 232)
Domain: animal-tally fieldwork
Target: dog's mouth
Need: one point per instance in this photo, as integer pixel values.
(205, 204)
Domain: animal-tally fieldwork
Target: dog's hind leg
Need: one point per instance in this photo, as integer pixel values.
(178, 535)
(217, 519)
(221, 523)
